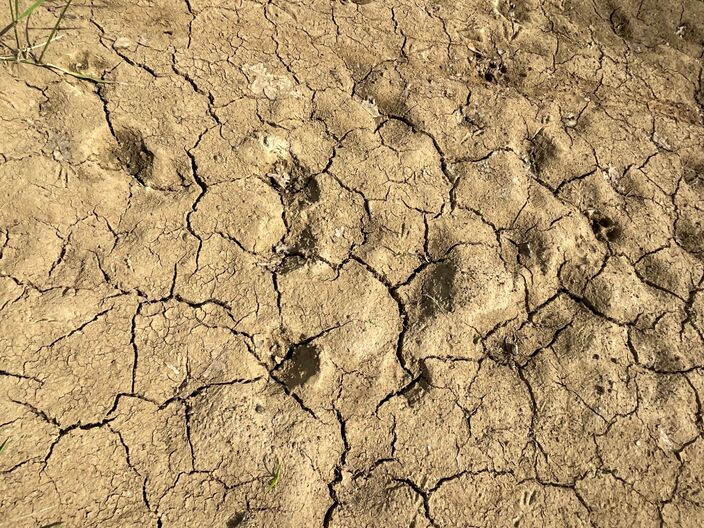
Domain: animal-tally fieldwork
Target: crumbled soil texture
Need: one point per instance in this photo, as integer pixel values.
(355, 264)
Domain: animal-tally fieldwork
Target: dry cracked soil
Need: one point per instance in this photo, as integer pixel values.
(324, 263)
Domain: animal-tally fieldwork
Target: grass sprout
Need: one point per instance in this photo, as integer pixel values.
(275, 476)
(22, 50)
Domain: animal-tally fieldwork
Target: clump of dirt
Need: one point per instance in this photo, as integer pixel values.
(354, 263)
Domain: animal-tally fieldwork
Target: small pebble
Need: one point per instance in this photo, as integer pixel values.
(122, 43)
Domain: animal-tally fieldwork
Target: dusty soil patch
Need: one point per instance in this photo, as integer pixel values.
(356, 263)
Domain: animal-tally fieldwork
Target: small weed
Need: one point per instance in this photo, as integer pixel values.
(22, 50)
(275, 476)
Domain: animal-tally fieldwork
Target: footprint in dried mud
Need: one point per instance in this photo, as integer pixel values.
(134, 156)
(493, 70)
(290, 263)
(542, 150)
(236, 520)
(303, 364)
(506, 353)
(305, 242)
(299, 248)
(605, 229)
(532, 250)
(289, 177)
(689, 233)
(437, 293)
(516, 11)
(310, 194)
(621, 24)
(699, 94)
(382, 90)
(414, 394)
(693, 175)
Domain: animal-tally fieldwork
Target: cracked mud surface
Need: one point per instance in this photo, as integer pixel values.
(440, 263)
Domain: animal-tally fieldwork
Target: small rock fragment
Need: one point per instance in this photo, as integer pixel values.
(122, 43)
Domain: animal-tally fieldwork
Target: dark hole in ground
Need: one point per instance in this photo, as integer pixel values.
(437, 292)
(290, 263)
(303, 365)
(525, 250)
(133, 154)
(306, 243)
(311, 192)
(543, 149)
(620, 24)
(236, 520)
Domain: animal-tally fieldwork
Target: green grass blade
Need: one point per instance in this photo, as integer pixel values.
(16, 18)
(30, 9)
(27, 40)
(4, 445)
(13, 13)
(58, 69)
(275, 477)
(53, 31)
(75, 74)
